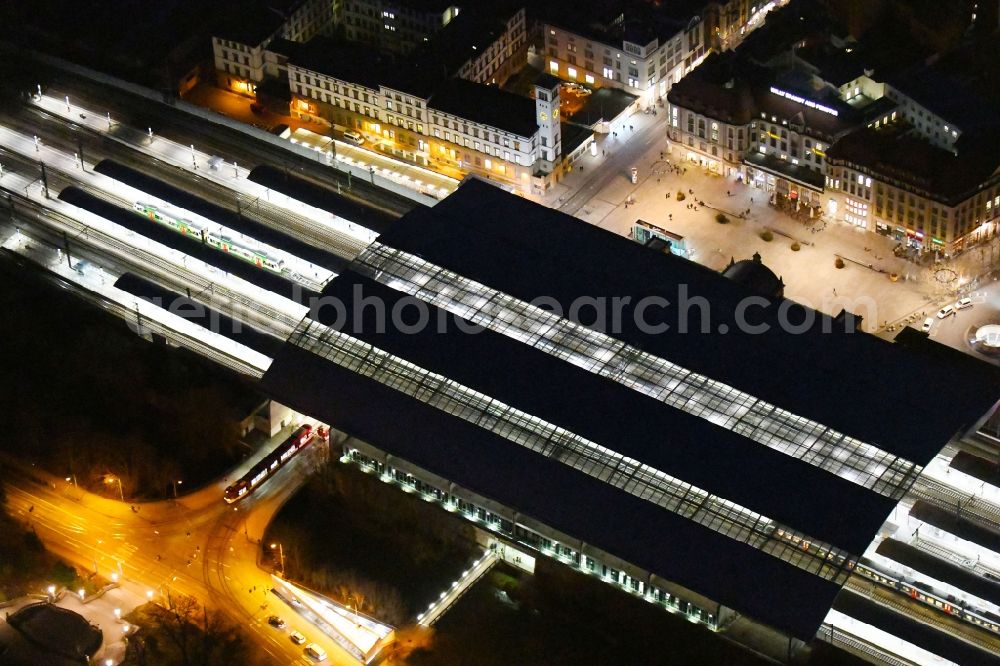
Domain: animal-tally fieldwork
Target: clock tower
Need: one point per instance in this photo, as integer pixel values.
(547, 117)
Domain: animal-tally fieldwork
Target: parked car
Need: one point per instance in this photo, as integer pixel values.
(946, 311)
(963, 303)
(926, 328)
(354, 137)
(276, 622)
(297, 638)
(257, 108)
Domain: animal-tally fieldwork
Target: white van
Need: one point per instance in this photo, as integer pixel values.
(354, 137)
(946, 311)
(315, 652)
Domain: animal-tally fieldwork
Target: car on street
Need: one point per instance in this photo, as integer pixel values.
(963, 303)
(926, 328)
(946, 311)
(315, 652)
(276, 622)
(297, 638)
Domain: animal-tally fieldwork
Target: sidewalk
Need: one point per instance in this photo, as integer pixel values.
(810, 275)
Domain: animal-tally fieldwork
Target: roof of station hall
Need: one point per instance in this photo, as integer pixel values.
(854, 383)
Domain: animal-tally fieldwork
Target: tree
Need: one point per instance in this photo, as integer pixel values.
(184, 634)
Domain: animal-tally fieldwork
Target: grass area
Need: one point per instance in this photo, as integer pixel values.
(185, 633)
(86, 397)
(364, 542)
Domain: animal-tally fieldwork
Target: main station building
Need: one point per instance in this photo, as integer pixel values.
(731, 472)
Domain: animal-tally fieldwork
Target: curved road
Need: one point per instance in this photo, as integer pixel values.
(197, 545)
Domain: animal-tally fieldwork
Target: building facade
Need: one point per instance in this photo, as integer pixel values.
(395, 25)
(240, 56)
(647, 69)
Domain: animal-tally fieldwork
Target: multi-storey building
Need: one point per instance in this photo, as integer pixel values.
(484, 47)
(644, 52)
(890, 181)
(732, 118)
(433, 108)
(239, 48)
(394, 25)
(454, 123)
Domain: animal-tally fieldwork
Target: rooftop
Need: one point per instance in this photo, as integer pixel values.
(794, 439)
(488, 105)
(253, 21)
(795, 172)
(613, 22)
(467, 35)
(733, 90)
(899, 154)
(365, 66)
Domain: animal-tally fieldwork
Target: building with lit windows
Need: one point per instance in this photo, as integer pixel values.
(394, 25)
(239, 48)
(730, 470)
(923, 167)
(815, 119)
(730, 117)
(930, 199)
(641, 49)
(475, 128)
(422, 118)
(482, 46)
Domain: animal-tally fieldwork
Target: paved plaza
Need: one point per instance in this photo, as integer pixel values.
(864, 286)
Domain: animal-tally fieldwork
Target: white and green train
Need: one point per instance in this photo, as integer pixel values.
(214, 239)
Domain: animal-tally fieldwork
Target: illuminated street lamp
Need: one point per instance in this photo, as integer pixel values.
(52, 590)
(281, 556)
(111, 478)
(176, 483)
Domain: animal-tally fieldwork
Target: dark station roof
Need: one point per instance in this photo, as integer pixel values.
(526, 251)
